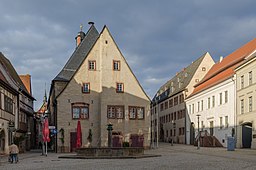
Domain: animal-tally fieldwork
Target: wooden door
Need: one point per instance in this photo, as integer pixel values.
(72, 141)
(246, 136)
(211, 128)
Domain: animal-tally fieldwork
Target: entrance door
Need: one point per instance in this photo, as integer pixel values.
(247, 135)
(211, 128)
(72, 141)
(2, 141)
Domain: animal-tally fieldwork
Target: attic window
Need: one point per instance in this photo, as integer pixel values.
(203, 69)
(197, 80)
(106, 41)
(92, 65)
(116, 65)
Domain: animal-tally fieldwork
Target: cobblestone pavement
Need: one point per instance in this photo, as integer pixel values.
(173, 157)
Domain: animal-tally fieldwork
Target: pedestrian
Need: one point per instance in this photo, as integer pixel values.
(14, 150)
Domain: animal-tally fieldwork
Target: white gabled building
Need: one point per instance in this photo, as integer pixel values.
(214, 101)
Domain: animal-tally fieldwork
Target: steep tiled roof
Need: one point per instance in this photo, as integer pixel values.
(225, 69)
(179, 82)
(3, 78)
(26, 79)
(78, 56)
(10, 69)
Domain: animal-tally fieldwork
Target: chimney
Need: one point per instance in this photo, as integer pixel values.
(80, 36)
(221, 58)
(78, 40)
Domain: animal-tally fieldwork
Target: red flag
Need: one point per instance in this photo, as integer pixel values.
(78, 135)
(46, 137)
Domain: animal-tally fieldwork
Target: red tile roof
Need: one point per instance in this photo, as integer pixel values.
(225, 69)
(26, 79)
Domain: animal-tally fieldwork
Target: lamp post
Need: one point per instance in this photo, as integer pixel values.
(11, 127)
(173, 127)
(110, 128)
(198, 141)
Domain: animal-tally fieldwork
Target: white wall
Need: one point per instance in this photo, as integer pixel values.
(213, 113)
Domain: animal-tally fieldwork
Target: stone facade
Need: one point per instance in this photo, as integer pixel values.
(102, 98)
(169, 109)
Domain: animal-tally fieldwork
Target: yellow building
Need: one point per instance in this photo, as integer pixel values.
(97, 87)
(246, 99)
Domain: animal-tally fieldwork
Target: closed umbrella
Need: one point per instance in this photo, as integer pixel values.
(78, 135)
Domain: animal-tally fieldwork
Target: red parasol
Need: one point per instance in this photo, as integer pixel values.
(78, 135)
(46, 137)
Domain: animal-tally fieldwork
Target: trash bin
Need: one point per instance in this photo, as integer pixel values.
(231, 144)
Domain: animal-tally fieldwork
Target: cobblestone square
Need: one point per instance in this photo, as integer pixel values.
(172, 157)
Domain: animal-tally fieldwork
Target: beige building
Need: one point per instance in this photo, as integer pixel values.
(168, 109)
(246, 107)
(97, 87)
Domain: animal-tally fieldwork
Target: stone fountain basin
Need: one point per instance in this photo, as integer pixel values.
(110, 152)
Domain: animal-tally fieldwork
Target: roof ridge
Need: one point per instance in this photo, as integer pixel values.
(13, 73)
(79, 55)
(235, 58)
(190, 69)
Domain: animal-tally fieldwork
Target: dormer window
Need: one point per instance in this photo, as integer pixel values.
(186, 74)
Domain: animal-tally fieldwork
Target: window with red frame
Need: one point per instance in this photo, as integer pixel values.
(136, 112)
(116, 65)
(92, 65)
(119, 87)
(80, 111)
(115, 112)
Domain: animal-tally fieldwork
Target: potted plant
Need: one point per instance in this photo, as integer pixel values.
(62, 139)
(89, 138)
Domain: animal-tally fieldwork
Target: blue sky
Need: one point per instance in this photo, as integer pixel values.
(157, 38)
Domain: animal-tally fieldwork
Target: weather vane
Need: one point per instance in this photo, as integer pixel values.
(81, 27)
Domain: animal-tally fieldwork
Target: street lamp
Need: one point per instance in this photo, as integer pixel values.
(173, 127)
(198, 141)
